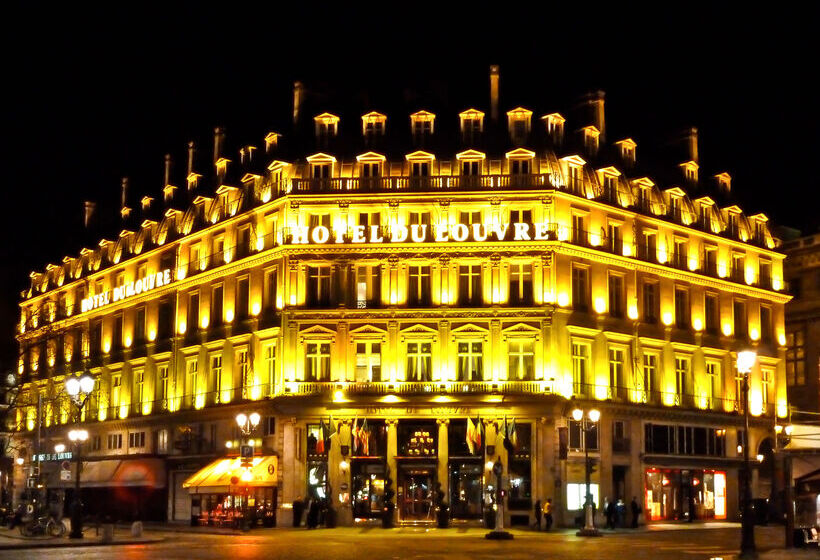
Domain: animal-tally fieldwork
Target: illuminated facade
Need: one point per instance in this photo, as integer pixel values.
(424, 272)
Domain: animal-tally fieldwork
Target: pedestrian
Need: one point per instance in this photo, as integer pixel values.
(537, 511)
(548, 514)
(313, 514)
(636, 511)
(610, 515)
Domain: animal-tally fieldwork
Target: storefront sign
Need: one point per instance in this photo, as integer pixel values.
(421, 233)
(150, 282)
(43, 457)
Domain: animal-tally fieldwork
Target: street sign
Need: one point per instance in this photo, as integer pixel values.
(65, 474)
(246, 452)
(65, 465)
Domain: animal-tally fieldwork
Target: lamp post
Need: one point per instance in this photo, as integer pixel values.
(745, 363)
(247, 424)
(79, 389)
(588, 421)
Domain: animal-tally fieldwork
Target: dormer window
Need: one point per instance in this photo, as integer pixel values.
(690, 171)
(470, 163)
(422, 124)
(420, 163)
(591, 135)
(371, 164)
(472, 124)
(520, 162)
(518, 123)
(321, 166)
(724, 182)
(271, 141)
(626, 149)
(555, 127)
(373, 124)
(327, 125)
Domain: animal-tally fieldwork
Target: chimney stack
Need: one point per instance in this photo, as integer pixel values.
(298, 97)
(167, 176)
(125, 210)
(89, 208)
(494, 92)
(592, 106)
(219, 141)
(690, 138)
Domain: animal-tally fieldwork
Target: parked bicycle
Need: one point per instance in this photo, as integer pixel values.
(42, 525)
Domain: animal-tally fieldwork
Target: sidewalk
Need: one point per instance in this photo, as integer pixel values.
(13, 540)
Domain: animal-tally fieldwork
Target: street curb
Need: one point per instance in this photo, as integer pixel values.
(29, 546)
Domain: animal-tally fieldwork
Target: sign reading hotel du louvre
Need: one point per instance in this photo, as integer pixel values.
(421, 233)
(150, 282)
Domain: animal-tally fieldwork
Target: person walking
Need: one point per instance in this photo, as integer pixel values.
(636, 511)
(548, 514)
(610, 515)
(537, 511)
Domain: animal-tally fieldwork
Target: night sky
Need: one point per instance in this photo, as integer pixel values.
(93, 95)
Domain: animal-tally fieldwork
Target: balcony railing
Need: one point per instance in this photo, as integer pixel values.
(418, 387)
(429, 183)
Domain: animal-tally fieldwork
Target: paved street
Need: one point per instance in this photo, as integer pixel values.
(681, 542)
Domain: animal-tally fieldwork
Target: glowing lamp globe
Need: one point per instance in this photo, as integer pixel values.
(577, 414)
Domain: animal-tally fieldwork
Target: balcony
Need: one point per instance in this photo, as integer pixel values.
(431, 183)
(418, 387)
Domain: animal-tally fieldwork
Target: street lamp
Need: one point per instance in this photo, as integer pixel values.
(745, 362)
(59, 448)
(79, 389)
(247, 424)
(588, 422)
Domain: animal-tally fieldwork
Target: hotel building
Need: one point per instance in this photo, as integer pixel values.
(417, 270)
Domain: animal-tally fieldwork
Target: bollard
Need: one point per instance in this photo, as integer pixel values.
(108, 532)
(136, 529)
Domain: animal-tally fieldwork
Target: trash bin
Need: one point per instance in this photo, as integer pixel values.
(136, 529)
(108, 532)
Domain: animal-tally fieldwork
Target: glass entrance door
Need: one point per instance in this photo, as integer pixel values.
(416, 494)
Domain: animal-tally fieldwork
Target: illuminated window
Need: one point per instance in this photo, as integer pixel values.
(616, 295)
(711, 313)
(555, 127)
(373, 124)
(116, 386)
(368, 362)
(470, 361)
(327, 125)
(739, 316)
(270, 367)
(422, 124)
(319, 285)
(738, 390)
(766, 380)
(649, 249)
(216, 375)
(317, 362)
(114, 441)
(139, 390)
(245, 373)
(521, 216)
(218, 251)
(418, 218)
(651, 302)
(192, 380)
(521, 356)
(469, 218)
(472, 124)
(579, 230)
(369, 219)
(580, 288)
(216, 306)
(469, 285)
(614, 239)
(649, 373)
(518, 123)
(136, 440)
(368, 286)
(714, 383)
(520, 284)
(710, 260)
(418, 293)
(580, 367)
(419, 361)
(682, 307)
(162, 387)
(796, 357)
(617, 380)
(682, 367)
(680, 258)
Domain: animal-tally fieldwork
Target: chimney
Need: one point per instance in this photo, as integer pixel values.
(690, 143)
(167, 176)
(125, 210)
(89, 208)
(494, 92)
(298, 98)
(592, 105)
(219, 141)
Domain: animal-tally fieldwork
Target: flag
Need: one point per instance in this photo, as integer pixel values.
(320, 438)
(512, 436)
(364, 435)
(479, 427)
(470, 437)
(505, 433)
(331, 428)
(354, 436)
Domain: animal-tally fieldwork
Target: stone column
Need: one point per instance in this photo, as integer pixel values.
(392, 465)
(442, 472)
(287, 467)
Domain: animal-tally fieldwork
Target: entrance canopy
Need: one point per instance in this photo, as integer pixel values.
(220, 475)
(112, 472)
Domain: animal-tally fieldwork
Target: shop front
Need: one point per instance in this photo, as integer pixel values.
(417, 466)
(685, 494)
(466, 473)
(227, 492)
(368, 448)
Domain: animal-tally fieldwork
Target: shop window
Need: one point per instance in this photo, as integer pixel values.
(419, 361)
(470, 361)
(368, 362)
(576, 495)
(317, 362)
(417, 439)
(521, 360)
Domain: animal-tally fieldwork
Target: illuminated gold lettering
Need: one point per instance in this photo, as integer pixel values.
(375, 236)
(418, 232)
(398, 234)
(442, 235)
(460, 232)
(522, 231)
(320, 234)
(358, 234)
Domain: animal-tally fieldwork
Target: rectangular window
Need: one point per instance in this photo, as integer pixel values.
(270, 368)
(418, 218)
(116, 336)
(617, 380)
(114, 441)
(580, 367)
(616, 296)
(469, 287)
(766, 334)
(713, 383)
(681, 307)
(136, 440)
(576, 495)
(471, 168)
(649, 373)
(520, 167)
(615, 241)
(419, 361)
(521, 355)
(139, 326)
(469, 218)
(216, 374)
(796, 357)
(162, 441)
(139, 390)
(580, 288)
(368, 362)
(741, 323)
(96, 443)
(682, 388)
(319, 286)
(579, 230)
(738, 273)
(368, 286)
(520, 284)
(650, 246)
(711, 313)
(651, 303)
(420, 169)
(216, 306)
(681, 256)
(470, 361)
(521, 216)
(317, 361)
(242, 299)
(245, 373)
(766, 380)
(192, 381)
(116, 386)
(710, 260)
(578, 436)
(270, 288)
(419, 286)
(368, 219)
(162, 387)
